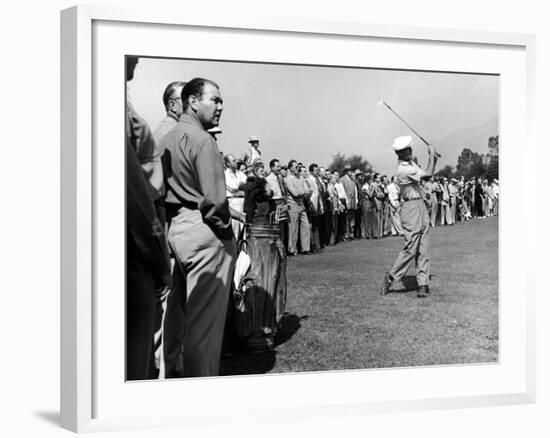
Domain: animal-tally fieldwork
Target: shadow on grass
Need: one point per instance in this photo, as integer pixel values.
(408, 284)
(290, 324)
(238, 363)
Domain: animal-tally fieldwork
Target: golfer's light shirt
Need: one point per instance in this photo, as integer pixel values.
(408, 179)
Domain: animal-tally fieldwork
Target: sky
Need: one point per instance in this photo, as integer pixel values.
(309, 113)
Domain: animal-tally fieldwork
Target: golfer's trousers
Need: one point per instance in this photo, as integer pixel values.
(416, 226)
(396, 220)
(197, 306)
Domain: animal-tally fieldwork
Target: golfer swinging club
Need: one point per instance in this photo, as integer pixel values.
(414, 217)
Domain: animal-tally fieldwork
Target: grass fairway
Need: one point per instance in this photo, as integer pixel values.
(336, 319)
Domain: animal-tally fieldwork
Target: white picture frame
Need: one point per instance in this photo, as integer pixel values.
(82, 393)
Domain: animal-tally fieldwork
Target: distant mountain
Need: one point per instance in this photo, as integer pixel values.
(475, 138)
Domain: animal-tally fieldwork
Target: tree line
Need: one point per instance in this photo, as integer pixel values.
(470, 164)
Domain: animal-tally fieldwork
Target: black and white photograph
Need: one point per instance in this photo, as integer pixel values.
(285, 218)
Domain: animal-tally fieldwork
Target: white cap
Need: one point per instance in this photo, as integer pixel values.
(401, 143)
(253, 138)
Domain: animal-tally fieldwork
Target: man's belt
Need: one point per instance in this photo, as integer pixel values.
(231, 197)
(190, 205)
(411, 199)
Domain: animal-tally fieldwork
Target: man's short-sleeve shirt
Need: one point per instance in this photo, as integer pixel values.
(408, 178)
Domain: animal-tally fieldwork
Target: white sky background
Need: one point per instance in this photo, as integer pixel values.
(310, 113)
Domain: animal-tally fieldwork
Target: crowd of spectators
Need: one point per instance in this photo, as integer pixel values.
(327, 208)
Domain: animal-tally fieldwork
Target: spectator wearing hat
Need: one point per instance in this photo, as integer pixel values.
(252, 152)
(414, 217)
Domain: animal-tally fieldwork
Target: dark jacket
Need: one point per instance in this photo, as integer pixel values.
(257, 203)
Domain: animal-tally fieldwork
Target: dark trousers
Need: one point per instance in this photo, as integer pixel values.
(315, 233)
(334, 228)
(342, 224)
(140, 318)
(358, 222)
(322, 224)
